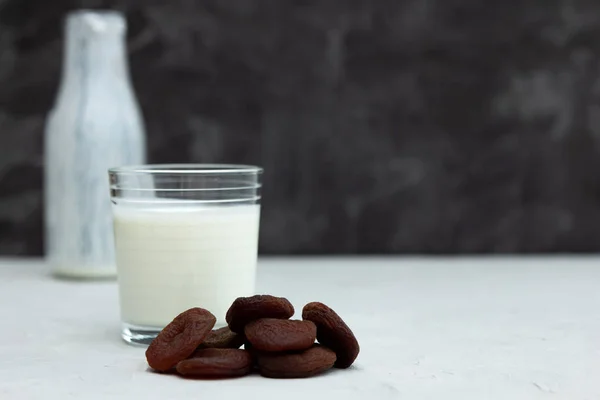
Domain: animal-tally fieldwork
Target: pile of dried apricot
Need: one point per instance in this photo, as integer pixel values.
(275, 345)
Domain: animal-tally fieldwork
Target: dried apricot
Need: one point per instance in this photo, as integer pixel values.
(180, 338)
(222, 338)
(333, 332)
(216, 363)
(310, 362)
(270, 334)
(247, 309)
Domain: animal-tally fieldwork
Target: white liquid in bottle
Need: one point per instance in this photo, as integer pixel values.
(95, 125)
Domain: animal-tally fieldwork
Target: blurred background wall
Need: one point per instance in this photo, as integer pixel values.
(384, 126)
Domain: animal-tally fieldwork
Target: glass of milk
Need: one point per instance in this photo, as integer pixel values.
(185, 236)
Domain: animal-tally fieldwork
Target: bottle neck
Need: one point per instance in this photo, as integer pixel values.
(94, 57)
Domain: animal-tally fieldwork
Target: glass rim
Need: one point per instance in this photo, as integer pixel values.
(191, 168)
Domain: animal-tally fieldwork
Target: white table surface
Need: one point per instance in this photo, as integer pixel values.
(430, 328)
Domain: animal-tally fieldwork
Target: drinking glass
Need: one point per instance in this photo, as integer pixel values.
(186, 235)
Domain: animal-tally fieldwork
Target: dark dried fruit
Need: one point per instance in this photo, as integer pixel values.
(310, 362)
(270, 334)
(247, 309)
(180, 338)
(333, 332)
(222, 338)
(216, 363)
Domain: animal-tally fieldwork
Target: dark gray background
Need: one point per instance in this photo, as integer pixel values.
(384, 126)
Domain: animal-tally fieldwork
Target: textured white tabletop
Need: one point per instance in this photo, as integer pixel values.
(429, 329)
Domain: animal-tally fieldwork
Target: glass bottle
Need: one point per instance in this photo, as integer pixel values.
(95, 124)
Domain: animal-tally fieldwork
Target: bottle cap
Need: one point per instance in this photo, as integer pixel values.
(96, 22)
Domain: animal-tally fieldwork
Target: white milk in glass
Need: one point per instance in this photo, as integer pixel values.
(173, 258)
